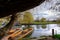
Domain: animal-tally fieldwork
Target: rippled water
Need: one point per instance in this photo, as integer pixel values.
(41, 30)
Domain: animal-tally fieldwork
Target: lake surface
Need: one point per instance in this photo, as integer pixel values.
(44, 30)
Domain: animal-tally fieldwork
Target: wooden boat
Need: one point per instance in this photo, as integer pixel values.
(26, 32)
(13, 30)
(16, 34)
(22, 33)
(11, 36)
(19, 32)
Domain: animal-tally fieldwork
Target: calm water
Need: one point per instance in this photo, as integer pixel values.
(41, 30)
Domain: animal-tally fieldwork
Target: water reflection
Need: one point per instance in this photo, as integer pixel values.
(47, 30)
(44, 30)
(58, 25)
(38, 26)
(43, 26)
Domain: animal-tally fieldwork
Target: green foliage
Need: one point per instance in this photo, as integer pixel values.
(43, 20)
(58, 20)
(44, 23)
(28, 17)
(57, 36)
(8, 18)
(25, 39)
(19, 18)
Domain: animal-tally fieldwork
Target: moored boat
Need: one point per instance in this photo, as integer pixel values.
(19, 33)
(12, 31)
(26, 33)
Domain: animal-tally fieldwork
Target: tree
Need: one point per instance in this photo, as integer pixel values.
(14, 7)
(58, 20)
(28, 17)
(43, 20)
(6, 28)
(19, 18)
(8, 18)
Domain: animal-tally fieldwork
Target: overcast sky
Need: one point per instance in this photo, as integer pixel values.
(48, 9)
